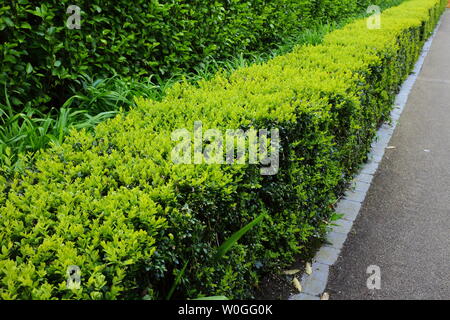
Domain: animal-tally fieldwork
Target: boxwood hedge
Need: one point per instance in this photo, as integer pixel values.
(42, 61)
(114, 204)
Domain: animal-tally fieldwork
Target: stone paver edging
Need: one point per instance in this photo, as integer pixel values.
(314, 285)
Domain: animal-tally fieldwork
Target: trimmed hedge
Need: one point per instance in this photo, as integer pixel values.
(115, 205)
(42, 61)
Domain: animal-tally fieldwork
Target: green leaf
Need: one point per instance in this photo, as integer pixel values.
(8, 22)
(227, 245)
(29, 68)
(213, 298)
(25, 25)
(177, 281)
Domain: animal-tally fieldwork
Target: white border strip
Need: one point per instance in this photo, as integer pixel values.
(314, 285)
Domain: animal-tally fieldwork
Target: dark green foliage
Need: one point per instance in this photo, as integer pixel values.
(42, 61)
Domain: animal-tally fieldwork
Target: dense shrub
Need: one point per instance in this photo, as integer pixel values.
(42, 61)
(114, 204)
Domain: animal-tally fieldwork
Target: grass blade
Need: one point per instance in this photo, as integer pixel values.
(177, 281)
(227, 245)
(214, 298)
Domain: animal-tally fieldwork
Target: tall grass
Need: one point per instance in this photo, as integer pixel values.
(29, 131)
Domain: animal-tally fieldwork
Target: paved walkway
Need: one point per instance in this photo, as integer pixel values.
(404, 224)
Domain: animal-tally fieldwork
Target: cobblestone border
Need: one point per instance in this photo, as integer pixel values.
(314, 285)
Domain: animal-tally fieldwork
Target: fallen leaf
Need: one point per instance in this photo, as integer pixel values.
(291, 272)
(297, 284)
(308, 268)
(325, 296)
(391, 147)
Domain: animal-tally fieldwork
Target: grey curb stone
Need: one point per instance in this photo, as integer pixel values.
(327, 255)
(343, 226)
(349, 209)
(378, 150)
(315, 283)
(376, 157)
(361, 186)
(363, 177)
(357, 196)
(370, 168)
(401, 98)
(395, 116)
(384, 135)
(336, 240)
(397, 110)
(389, 129)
